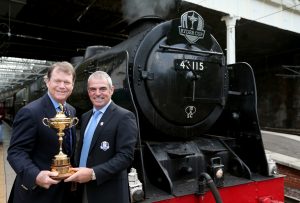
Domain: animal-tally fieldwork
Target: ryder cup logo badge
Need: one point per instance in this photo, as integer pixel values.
(104, 146)
(192, 26)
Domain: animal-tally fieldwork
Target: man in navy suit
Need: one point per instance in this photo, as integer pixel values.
(105, 153)
(33, 145)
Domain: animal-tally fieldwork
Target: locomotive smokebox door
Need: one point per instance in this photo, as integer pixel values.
(181, 95)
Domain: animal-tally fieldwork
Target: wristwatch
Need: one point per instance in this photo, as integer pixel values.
(93, 175)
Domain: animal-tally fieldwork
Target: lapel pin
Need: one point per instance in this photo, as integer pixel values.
(101, 124)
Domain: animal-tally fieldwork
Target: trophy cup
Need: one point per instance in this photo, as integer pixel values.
(61, 162)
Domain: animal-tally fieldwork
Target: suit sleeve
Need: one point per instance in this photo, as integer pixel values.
(125, 143)
(21, 145)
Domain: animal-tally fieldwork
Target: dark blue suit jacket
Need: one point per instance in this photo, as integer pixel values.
(111, 153)
(32, 148)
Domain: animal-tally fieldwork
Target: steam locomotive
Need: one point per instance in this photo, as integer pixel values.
(199, 134)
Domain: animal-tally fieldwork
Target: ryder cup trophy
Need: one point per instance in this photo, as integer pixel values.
(61, 162)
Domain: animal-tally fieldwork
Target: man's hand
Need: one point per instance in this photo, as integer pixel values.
(44, 179)
(82, 175)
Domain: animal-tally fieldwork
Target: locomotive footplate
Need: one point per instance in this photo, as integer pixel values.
(175, 167)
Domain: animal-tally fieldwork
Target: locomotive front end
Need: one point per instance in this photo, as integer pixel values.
(180, 79)
(197, 117)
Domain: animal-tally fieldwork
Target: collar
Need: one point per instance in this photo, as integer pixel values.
(103, 109)
(55, 103)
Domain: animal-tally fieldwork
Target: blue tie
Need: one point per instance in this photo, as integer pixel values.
(88, 136)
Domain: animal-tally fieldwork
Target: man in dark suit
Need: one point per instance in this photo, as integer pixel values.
(105, 153)
(33, 145)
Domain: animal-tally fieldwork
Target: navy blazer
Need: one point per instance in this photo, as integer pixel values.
(32, 148)
(111, 153)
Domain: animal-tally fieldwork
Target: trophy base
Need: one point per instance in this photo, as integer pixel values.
(62, 176)
(63, 167)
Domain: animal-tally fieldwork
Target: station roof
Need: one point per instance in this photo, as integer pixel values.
(17, 72)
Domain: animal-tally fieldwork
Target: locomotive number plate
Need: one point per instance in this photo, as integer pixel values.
(188, 64)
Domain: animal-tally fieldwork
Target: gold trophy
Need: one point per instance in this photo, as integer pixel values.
(61, 162)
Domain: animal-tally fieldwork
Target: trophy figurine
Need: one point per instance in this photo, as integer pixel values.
(61, 162)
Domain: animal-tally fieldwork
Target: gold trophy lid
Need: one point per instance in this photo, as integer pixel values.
(60, 116)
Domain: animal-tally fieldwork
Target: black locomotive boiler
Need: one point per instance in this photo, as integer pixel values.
(199, 133)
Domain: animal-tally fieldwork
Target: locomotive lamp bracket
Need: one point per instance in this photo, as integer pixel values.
(272, 167)
(216, 169)
(147, 75)
(144, 75)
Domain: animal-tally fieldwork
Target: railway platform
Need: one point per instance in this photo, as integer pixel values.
(284, 149)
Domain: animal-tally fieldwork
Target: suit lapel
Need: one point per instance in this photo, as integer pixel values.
(108, 114)
(49, 110)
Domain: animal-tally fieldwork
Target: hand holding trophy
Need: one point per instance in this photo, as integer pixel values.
(61, 162)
